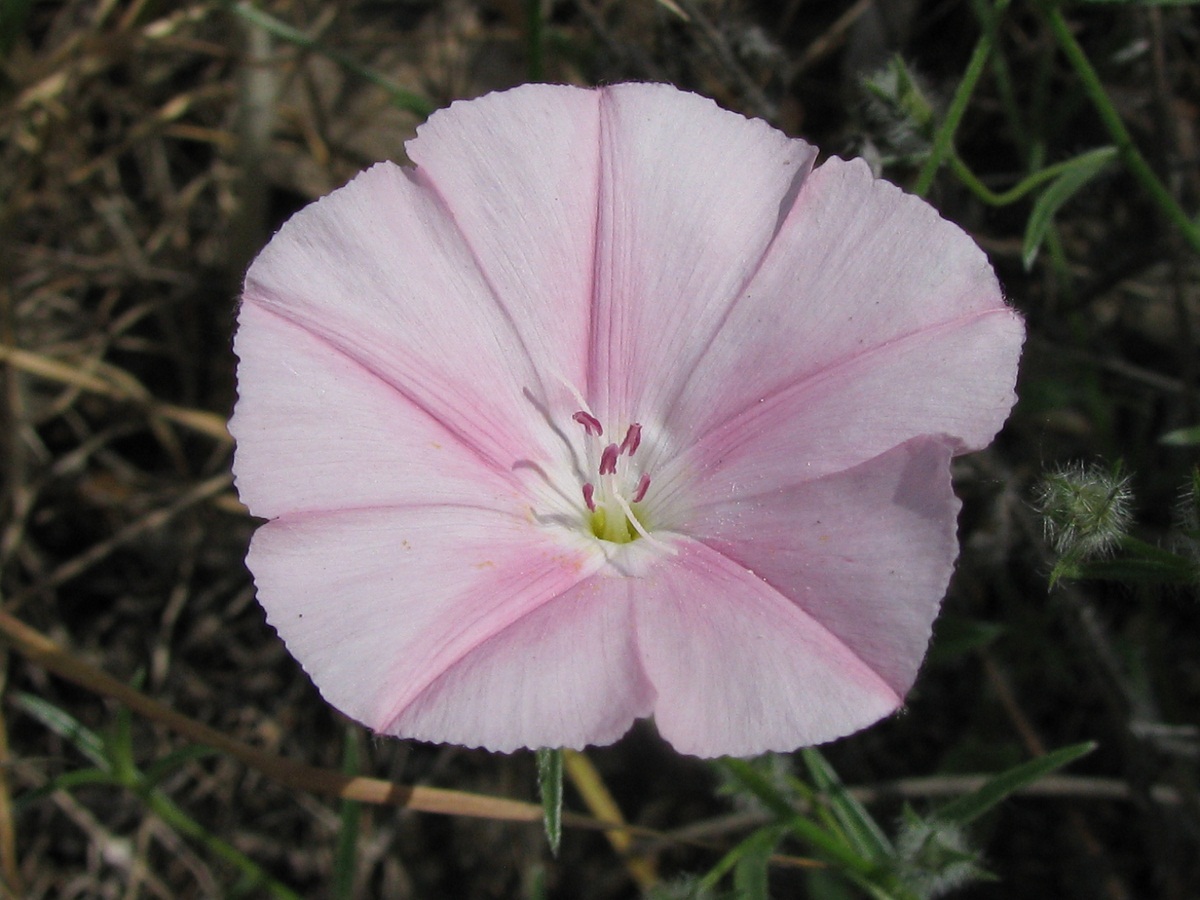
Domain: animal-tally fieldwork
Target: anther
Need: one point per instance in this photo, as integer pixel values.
(633, 438)
(642, 486)
(590, 423)
(608, 460)
(589, 496)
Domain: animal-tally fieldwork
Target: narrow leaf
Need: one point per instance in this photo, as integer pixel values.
(1145, 2)
(345, 858)
(1081, 170)
(161, 768)
(758, 785)
(956, 636)
(760, 843)
(750, 876)
(1182, 437)
(13, 16)
(66, 726)
(968, 808)
(550, 787)
(862, 831)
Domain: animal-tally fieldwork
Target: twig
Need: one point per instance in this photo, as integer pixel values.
(206, 423)
(156, 519)
(831, 39)
(42, 651)
(756, 100)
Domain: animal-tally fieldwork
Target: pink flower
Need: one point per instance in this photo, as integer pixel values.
(613, 407)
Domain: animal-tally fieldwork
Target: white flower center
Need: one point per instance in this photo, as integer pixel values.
(613, 498)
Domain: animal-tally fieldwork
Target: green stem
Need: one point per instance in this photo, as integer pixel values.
(404, 99)
(989, 21)
(255, 877)
(349, 811)
(971, 181)
(1130, 155)
(944, 139)
(536, 39)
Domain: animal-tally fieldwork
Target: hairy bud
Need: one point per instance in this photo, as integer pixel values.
(1085, 509)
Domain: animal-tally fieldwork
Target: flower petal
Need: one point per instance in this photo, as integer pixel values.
(566, 675)
(379, 271)
(518, 171)
(956, 381)
(868, 553)
(739, 668)
(379, 605)
(317, 431)
(857, 267)
(691, 197)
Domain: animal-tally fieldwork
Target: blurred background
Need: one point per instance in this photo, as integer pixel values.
(148, 149)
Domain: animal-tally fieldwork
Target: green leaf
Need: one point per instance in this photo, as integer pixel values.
(401, 97)
(972, 806)
(1182, 437)
(118, 743)
(64, 782)
(750, 853)
(550, 787)
(1143, 564)
(956, 636)
(757, 784)
(65, 726)
(345, 858)
(750, 879)
(1134, 571)
(13, 16)
(862, 831)
(1075, 175)
(1143, 2)
(833, 847)
(160, 769)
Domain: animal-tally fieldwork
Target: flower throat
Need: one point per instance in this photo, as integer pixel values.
(612, 508)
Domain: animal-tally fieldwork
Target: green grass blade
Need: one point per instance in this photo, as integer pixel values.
(857, 824)
(550, 788)
(345, 860)
(400, 96)
(1074, 177)
(66, 726)
(971, 807)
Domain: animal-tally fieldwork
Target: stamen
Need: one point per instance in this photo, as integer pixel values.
(642, 486)
(608, 460)
(589, 496)
(590, 423)
(638, 527)
(633, 438)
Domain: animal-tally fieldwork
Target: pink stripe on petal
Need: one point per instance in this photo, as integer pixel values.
(857, 265)
(867, 552)
(690, 199)
(377, 604)
(566, 675)
(377, 271)
(739, 669)
(316, 431)
(518, 173)
(956, 380)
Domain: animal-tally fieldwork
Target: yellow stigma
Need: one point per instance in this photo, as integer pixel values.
(616, 528)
